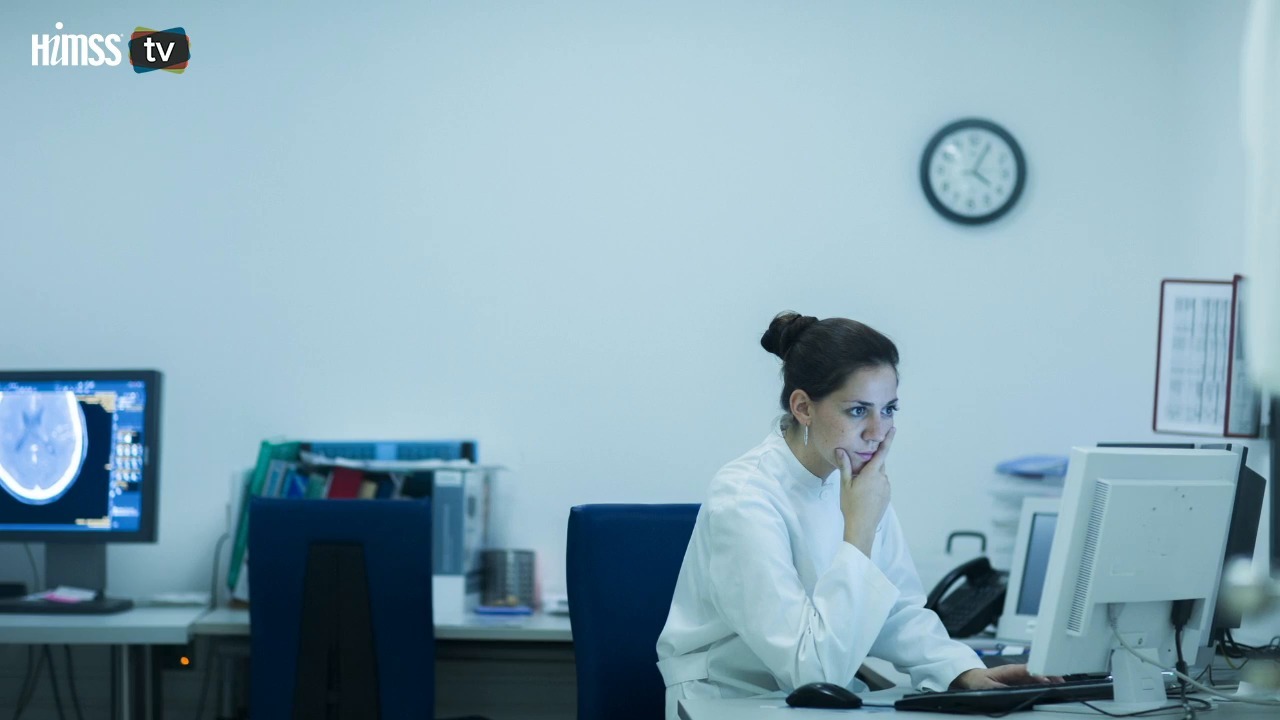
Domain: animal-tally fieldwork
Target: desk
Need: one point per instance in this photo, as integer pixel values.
(527, 628)
(776, 709)
(136, 680)
(517, 667)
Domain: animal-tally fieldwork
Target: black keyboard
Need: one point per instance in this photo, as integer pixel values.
(1006, 699)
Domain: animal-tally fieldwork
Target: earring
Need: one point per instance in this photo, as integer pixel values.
(806, 436)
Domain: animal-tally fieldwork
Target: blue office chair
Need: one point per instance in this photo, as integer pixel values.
(622, 566)
(340, 617)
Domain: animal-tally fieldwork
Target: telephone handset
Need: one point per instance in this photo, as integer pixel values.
(974, 605)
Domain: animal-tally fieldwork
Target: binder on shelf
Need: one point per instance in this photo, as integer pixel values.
(459, 532)
(277, 471)
(1202, 383)
(445, 471)
(295, 485)
(268, 451)
(345, 483)
(317, 485)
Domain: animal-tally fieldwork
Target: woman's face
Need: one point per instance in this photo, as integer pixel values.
(857, 416)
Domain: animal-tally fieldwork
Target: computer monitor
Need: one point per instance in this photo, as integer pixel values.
(1139, 528)
(79, 451)
(1274, 490)
(1031, 549)
(1246, 513)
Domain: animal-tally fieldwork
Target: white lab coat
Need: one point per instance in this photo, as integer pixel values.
(770, 597)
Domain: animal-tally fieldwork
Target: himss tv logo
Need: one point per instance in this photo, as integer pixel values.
(168, 50)
(76, 50)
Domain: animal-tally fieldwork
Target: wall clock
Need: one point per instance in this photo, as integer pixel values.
(972, 171)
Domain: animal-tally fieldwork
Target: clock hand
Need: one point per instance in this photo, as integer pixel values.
(981, 157)
(978, 175)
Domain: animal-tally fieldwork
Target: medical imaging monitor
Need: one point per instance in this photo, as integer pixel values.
(79, 452)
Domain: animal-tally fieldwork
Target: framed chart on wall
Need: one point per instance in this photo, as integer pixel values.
(1202, 381)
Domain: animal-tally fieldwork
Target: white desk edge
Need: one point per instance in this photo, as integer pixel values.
(138, 626)
(534, 628)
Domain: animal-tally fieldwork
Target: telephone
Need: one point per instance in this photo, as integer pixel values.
(977, 603)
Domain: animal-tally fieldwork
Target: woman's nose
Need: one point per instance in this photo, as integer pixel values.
(876, 429)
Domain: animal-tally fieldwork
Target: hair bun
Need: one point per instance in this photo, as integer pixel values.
(783, 332)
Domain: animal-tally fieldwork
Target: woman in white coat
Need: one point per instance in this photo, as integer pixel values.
(798, 569)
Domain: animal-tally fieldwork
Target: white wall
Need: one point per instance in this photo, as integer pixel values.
(560, 228)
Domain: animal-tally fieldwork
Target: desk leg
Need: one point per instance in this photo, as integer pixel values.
(113, 687)
(155, 679)
(227, 685)
(143, 684)
(121, 691)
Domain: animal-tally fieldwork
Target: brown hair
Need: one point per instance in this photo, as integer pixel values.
(818, 356)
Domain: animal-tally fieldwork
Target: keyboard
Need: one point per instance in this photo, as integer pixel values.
(1006, 699)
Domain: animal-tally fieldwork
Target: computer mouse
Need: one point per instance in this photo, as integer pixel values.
(823, 695)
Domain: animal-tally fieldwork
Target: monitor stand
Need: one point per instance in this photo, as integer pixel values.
(79, 565)
(1138, 687)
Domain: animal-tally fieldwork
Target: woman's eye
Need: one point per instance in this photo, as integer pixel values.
(858, 411)
(890, 411)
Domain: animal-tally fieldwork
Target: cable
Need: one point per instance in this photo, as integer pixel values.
(34, 659)
(208, 676)
(29, 684)
(213, 582)
(1179, 616)
(35, 571)
(1226, 658)
(1181, 666)
(1204, 704)
(1190, 681)
(1271, 645)
(1019, 707)
(1231, 648)
(208, 653)
(71, 682)
(53, 680)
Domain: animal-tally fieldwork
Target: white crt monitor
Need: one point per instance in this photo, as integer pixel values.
(1138, 529)
(1031, 550)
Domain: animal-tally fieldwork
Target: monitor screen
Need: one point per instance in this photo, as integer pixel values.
(1039, 542)
(1032, 545)
(78, 455)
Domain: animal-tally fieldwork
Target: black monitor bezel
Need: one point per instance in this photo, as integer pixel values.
(146, 532)
(1274, 486)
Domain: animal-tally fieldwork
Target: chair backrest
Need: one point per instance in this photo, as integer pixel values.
(623, 561)
(395, 538)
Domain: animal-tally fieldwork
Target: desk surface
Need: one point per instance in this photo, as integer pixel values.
(139, 626)
(774, 709)
(529, 628)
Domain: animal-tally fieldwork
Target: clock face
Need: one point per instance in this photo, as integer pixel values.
(972, 171)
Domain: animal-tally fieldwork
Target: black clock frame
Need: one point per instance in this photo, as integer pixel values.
(1020, 167)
